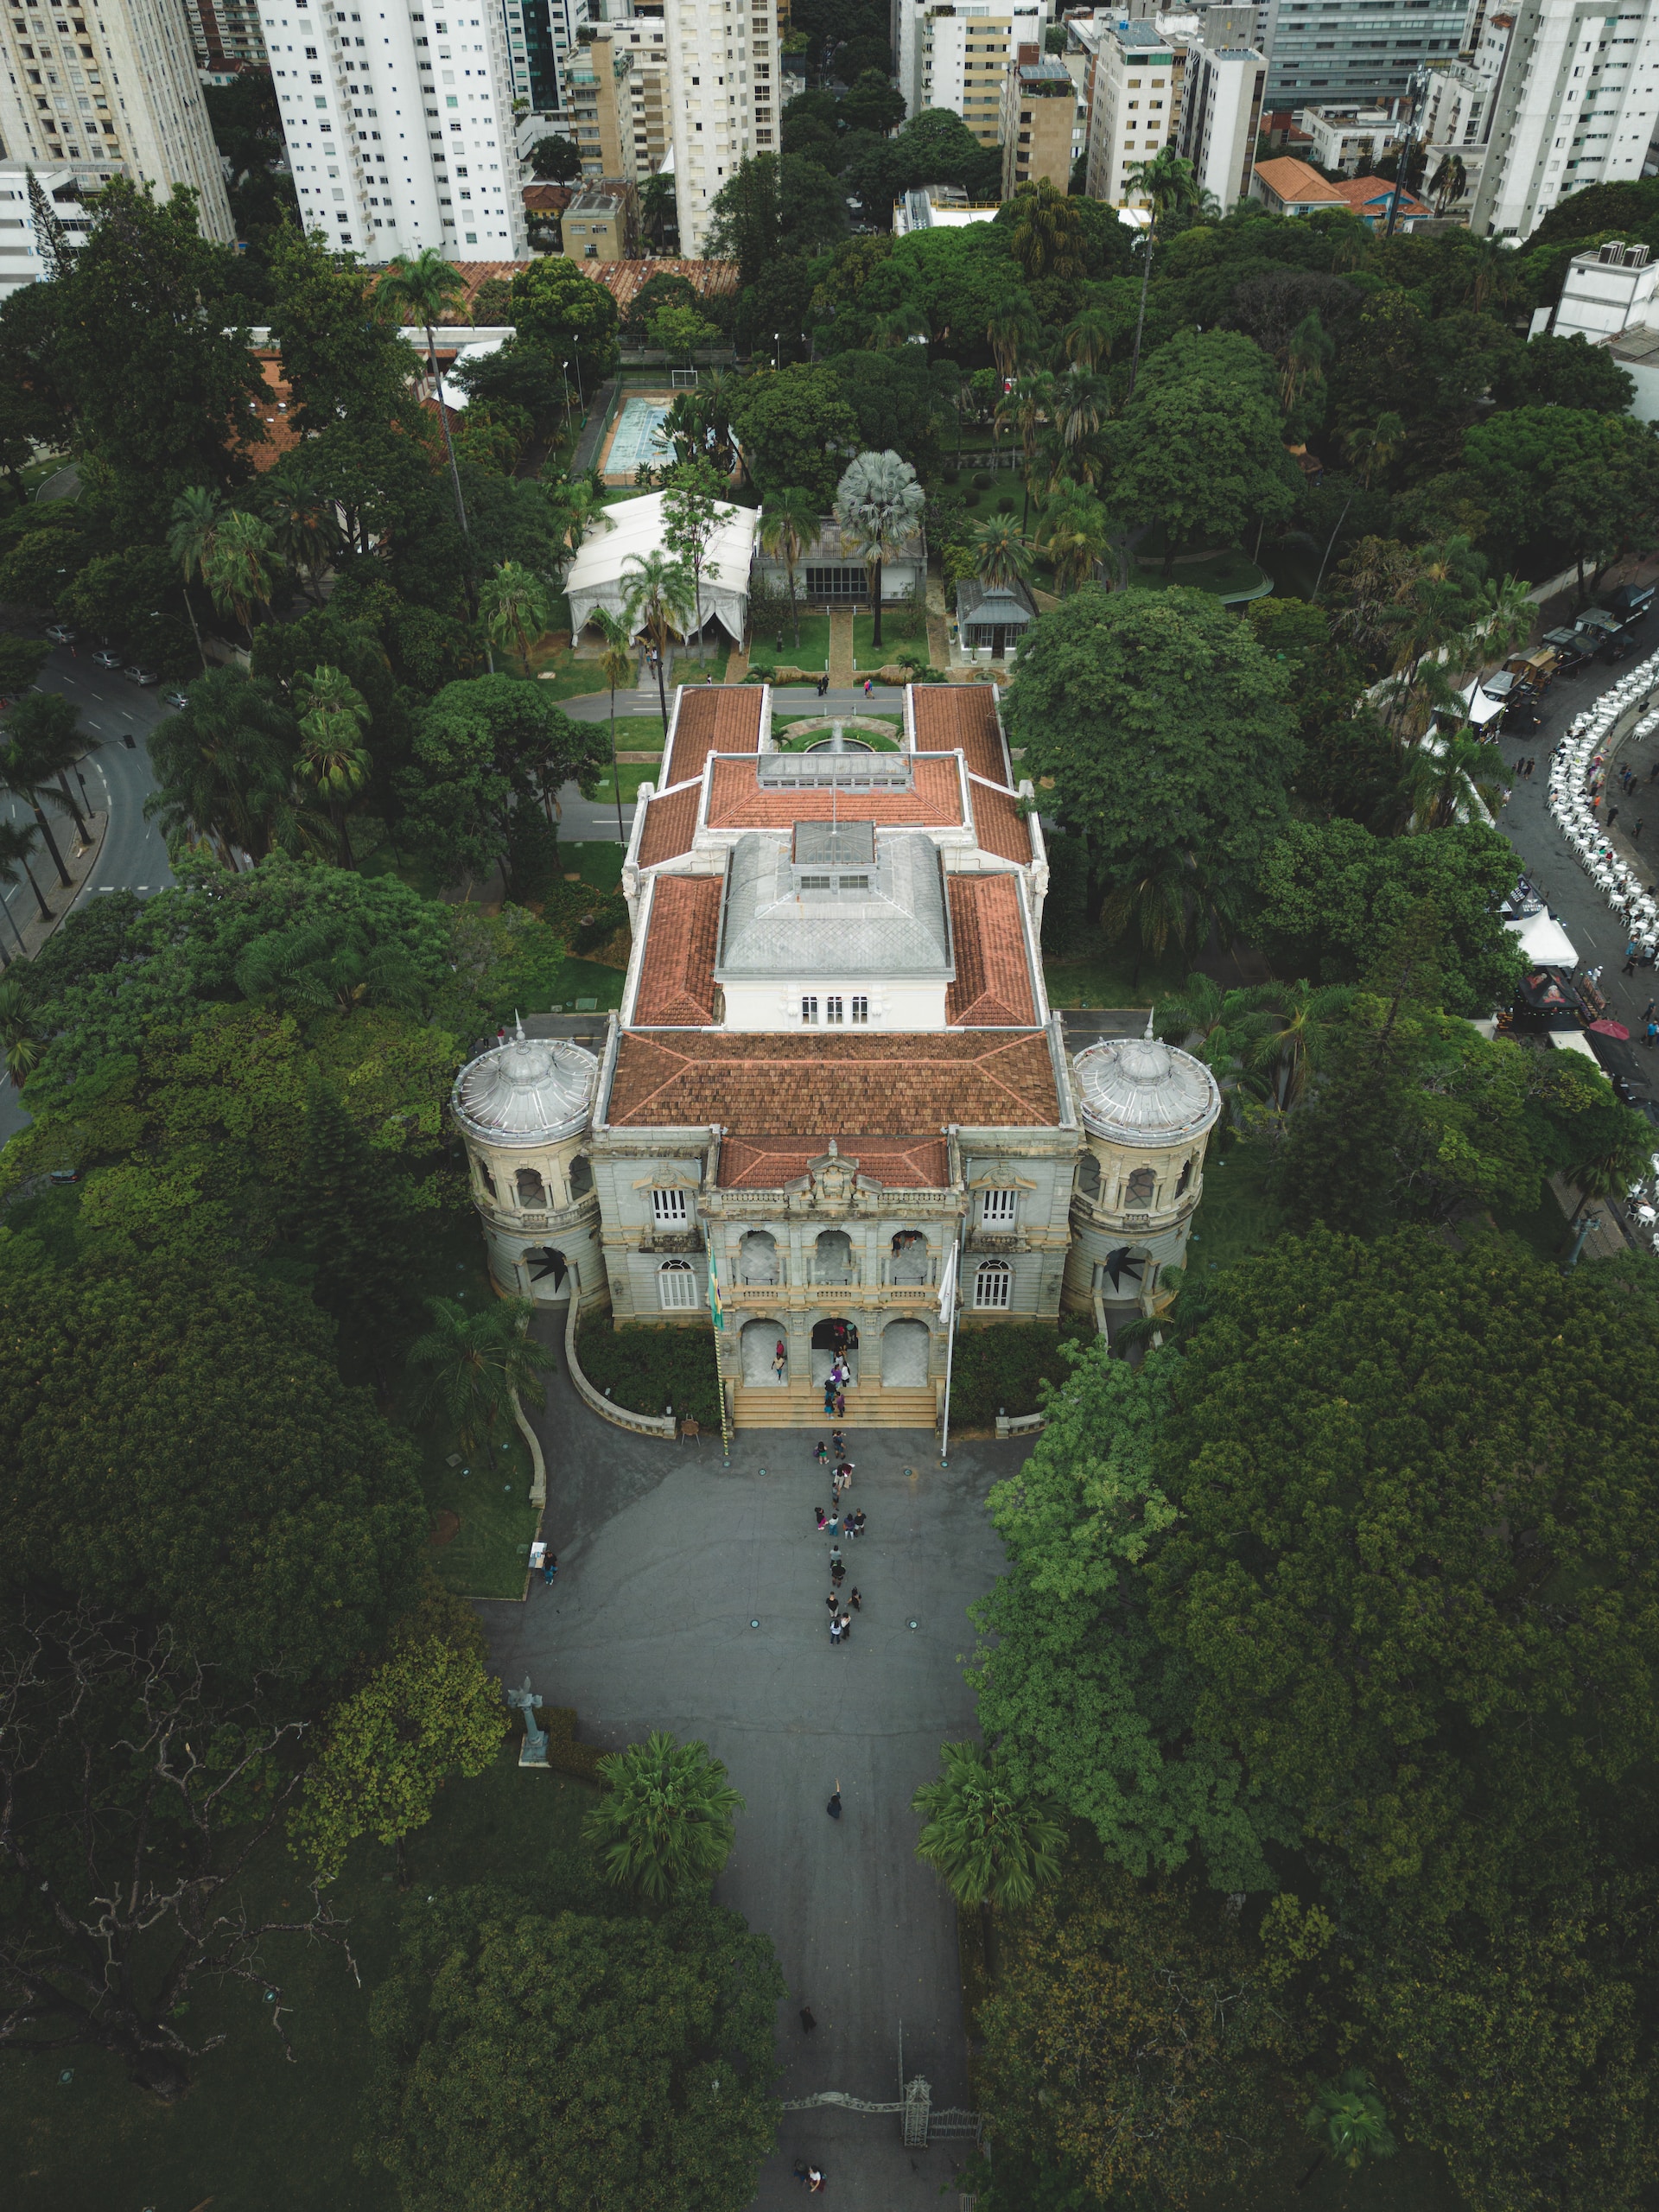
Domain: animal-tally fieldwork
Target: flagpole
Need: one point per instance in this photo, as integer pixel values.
(717, 1315)
(949, 1289)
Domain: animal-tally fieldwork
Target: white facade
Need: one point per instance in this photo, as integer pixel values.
(1221, 111)
(1136, 104)
(1353, 140)
(1606, 292)
(399, 126)
(112, 91)
(21, 260)
(725, 92)
(957, 57)
(1575, 102)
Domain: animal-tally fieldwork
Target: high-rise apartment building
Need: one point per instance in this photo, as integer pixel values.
(616, 99)
(956, 54)
(1136, 104)
(111, 90)
(224, 31)
(1040, 103)
(1354, 49)
(1221, 93)
(1574, 98)
(725, 92)
(399, 125)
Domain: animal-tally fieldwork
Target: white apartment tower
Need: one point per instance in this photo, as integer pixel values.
(1576, 95)
(111, 90)
(1221, 112)
(399, 125)
(955, 54)
(725, 92)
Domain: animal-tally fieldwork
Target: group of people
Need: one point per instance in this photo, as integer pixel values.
(842, 1519)
(844, 1340)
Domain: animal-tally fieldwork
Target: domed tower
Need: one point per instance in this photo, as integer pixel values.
(1147, 1109)
(523, 1109)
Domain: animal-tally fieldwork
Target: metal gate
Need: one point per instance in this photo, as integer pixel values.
(919, 2124)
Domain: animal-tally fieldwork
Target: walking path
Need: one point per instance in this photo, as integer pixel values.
(585, 452)
(665, 1560)
(840, 646)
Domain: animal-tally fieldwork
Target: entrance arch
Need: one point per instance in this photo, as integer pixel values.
(835, 1334)
(759, 1343)
(905, 1345)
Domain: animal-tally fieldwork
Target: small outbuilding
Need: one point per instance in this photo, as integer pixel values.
(997, 615)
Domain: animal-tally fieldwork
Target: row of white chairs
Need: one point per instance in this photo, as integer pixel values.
(1578, 771)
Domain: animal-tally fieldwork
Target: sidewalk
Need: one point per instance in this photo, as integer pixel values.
(81, 863)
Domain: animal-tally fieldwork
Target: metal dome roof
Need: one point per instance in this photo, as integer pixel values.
(1136, 1091)
(526, 1091)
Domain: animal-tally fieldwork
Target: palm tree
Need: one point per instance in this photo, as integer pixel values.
(514, 604)
(224, 768)
(1453, 775)
(879, 507)
(1032, 397)
(425, 288)
(616, 666)
(333, 718)
(1088, 338)
(303, 529)
(660, 593)
(21, 1046)
(47, 727)
(664, 1825)
(1378, 444)
(987, 1843)
(190, 540)
(578, 504)
(1284, 1053)
(314, 968)
(237, 566)
(27, 778)
(1170, 184)
(1046, 240)
(1074, 526)
(1448, 181)
(1002, 556)
(16, 843)
(1081, 401)
(1349, 2121)
(1012, 330)
(468, 1366)
(789, 524)
(1309, 349)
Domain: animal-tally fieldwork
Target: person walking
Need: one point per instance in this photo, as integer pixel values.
(1648, 1010)
(550, 1569)
(813, 2181)
(822, 1516)
(1630, 951)
(1612, 816)
(1635, 834)
(834, 1557)
(838, 1574)
(835, 1631)
(845, 1628)
(780, 1361)
(858, 1522)
(1652, 1032)
(821, 1452)
(834, 1807)
(841, 1405)
(855, 1600)
(807, 2026)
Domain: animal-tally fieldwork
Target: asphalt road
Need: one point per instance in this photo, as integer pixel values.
(582, 819)
(116, 777)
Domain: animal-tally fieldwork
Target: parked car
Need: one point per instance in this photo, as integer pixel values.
(1570, 650)
(106, 659)
(62, 633)
(135, 674)
(175, 699)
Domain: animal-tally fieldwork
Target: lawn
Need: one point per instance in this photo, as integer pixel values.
(256, 2134)
(1229, 574)
(812, 653)
(872, 738)
(897, 637)
(635, 732)
(632, 774)
(596, 861)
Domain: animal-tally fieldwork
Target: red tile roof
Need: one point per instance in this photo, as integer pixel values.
(677, 973)
(275, 408)
(670, 825)
(952, 715)
(713, 718)
(993, 984)
(758, 1085)
(900, 1163)
(999, 826)
(736, 801)
(621, 279)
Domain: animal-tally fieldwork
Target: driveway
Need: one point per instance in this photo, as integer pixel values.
(666, 1559)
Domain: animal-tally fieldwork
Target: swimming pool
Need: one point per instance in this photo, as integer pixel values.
(638, 442)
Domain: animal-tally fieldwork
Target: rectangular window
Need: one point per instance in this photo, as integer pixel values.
(669, 1208)
(861, 1008)
(809, 1009)
(997, 1207)
(832, 1009)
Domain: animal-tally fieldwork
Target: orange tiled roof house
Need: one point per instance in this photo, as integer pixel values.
(835, 1065)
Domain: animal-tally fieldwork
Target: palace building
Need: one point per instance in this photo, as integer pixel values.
(834, 1061)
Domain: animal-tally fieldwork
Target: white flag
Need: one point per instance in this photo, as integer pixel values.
(948, 1287)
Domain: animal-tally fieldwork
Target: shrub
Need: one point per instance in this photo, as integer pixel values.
(982, 482)
(1007, 504)
(646, 1369)
(600, 921)
(972, 499)
(998, 1369)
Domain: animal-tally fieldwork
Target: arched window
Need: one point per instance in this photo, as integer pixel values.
(533, 1192)
(581, 1176)
(910, 1257)
(1142, 1183)
(1186, 1175)
(993, 1280)
(1089, 1176)
(757, 1256)
(485, 1178)
(832, 1256)
(676, 1284)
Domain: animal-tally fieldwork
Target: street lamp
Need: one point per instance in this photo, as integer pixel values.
(776, 335)
(580, 402)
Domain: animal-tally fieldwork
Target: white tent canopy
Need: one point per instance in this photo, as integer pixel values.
(600, 575)
(1543, 940)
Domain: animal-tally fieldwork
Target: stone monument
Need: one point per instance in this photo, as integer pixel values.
(533, 1751)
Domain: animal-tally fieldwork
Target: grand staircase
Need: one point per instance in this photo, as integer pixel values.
(800, 1405)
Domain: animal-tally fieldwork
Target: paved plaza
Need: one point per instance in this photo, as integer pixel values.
(666, 1559)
